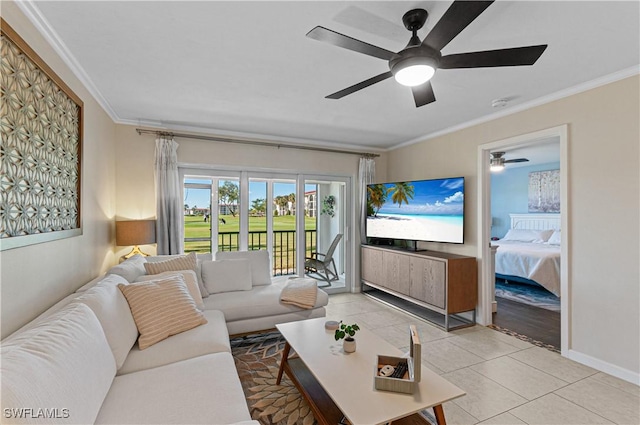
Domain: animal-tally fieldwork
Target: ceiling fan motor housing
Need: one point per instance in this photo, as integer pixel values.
(418, 55)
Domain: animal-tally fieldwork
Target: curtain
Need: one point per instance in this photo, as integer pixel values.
(366, 175)
(169, 205)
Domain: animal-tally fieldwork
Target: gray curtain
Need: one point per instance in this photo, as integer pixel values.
(366, 175)
(169, 205)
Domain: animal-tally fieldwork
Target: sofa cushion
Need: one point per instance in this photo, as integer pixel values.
(177, 263)
(201, 390)
(260, 268)
(190, 280)
(226, 275)
(261, 301)
(130, 269)
(64, 363)
(112, 310)
(161, 308)
(209, 338)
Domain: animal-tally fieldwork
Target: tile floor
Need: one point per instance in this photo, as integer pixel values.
(507, 381)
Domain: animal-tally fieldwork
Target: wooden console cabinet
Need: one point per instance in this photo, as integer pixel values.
(441, 282)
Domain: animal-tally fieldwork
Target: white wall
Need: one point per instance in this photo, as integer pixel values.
(604, 206)
(35, 277)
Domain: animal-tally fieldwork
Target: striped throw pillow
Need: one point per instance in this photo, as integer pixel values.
(161, 308)
(186, 262)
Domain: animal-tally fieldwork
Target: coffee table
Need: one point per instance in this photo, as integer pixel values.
(338, 385)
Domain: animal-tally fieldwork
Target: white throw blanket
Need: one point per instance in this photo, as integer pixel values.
(301, 292)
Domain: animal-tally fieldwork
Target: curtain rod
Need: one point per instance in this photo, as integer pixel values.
(252, 142)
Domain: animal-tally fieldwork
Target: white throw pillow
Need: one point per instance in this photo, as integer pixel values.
(130, 269)
(555, 238)
(226, 275)
(259, 259)
(533, 236)
(190, 280)
(64, 363)
(112, 310)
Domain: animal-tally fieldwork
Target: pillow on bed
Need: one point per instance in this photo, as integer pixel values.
(533, 236)
(555, 238)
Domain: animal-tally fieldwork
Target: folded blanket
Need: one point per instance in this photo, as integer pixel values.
(301, 292)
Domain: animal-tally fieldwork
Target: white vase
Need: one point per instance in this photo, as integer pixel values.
(349, 346)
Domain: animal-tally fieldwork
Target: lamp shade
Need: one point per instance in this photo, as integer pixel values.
(135, 232)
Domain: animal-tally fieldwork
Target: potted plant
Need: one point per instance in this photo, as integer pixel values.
(347, 332)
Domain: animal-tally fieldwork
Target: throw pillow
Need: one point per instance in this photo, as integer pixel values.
(226, 275)
(130, 269)
(525, 235)
(190, 280)
(184, 262)
(161, 308)
(556, 238)
(112, 310)
(259, 259)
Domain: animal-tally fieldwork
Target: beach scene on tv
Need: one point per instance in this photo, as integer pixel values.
(424, 210)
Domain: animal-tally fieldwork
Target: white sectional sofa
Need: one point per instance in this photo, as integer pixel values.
(79, 362)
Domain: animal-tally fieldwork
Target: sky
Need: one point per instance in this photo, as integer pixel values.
(435, 197)
(257, 190)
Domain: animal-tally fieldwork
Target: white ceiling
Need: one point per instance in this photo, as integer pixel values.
(246, 68)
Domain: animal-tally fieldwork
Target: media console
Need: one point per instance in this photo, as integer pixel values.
(445, 284)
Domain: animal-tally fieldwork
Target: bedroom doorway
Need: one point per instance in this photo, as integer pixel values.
(495, 222)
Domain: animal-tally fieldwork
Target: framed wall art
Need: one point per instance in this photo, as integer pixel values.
(544, 191)
(41, 151)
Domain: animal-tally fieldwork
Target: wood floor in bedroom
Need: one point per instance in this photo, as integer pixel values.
(536, 323)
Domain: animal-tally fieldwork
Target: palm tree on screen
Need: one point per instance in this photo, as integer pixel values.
(402, 192)
(377, 197)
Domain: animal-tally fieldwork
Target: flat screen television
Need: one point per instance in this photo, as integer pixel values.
(419, 210)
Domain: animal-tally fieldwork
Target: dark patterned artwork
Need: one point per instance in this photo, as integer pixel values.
(41, 125)
(544, 191)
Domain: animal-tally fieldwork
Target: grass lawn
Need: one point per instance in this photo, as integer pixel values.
(284, 242)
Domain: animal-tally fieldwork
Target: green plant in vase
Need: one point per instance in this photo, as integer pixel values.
(347, 332)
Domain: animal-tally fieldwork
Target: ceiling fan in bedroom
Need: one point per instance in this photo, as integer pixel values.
(498, 161)
(414, 65)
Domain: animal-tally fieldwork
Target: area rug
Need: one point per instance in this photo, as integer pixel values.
(527, 294)
(257, 359)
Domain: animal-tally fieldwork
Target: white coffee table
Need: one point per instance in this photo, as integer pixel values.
(336, 384)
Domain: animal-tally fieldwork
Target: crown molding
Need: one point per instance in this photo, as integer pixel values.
(598, 82)
(34, 15)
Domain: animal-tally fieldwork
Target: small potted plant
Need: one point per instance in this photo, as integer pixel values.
(347, 332)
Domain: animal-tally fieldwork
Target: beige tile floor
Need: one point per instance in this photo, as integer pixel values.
(507, 381)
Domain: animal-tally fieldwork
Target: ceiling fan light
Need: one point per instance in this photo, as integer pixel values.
(414, 75)
(495, 168)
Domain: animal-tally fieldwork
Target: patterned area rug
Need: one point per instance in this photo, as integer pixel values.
(257, 359)
(527, 294)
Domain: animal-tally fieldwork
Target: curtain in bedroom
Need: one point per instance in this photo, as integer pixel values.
(366, 175)
(169, 205)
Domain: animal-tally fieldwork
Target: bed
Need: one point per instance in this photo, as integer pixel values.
(530, 251)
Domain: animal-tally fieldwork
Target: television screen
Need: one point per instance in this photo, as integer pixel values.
(421, 210)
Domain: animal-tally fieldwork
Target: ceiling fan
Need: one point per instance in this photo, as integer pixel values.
(498, 161)
(414, 65)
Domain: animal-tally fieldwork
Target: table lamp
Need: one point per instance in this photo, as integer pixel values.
(135, 232)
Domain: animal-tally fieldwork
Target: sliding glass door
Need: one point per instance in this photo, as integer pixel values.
(294, 217)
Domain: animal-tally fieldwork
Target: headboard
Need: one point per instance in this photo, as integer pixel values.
(535, 221)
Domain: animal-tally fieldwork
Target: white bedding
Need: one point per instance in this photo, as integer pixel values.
(536, 261)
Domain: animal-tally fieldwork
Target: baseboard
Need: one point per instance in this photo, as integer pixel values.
(602, 366)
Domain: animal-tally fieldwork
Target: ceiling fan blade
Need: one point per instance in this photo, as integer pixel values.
(459, 15)
(341, 40)
(361, 85)
(423, 94)
(515, 56)
(516, 160)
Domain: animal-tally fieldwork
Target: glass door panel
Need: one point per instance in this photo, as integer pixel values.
(257, 213)
(326, 200)
(227, 215)
(197, 215)
(284, 228)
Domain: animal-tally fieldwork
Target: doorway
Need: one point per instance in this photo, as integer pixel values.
(487, 277)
